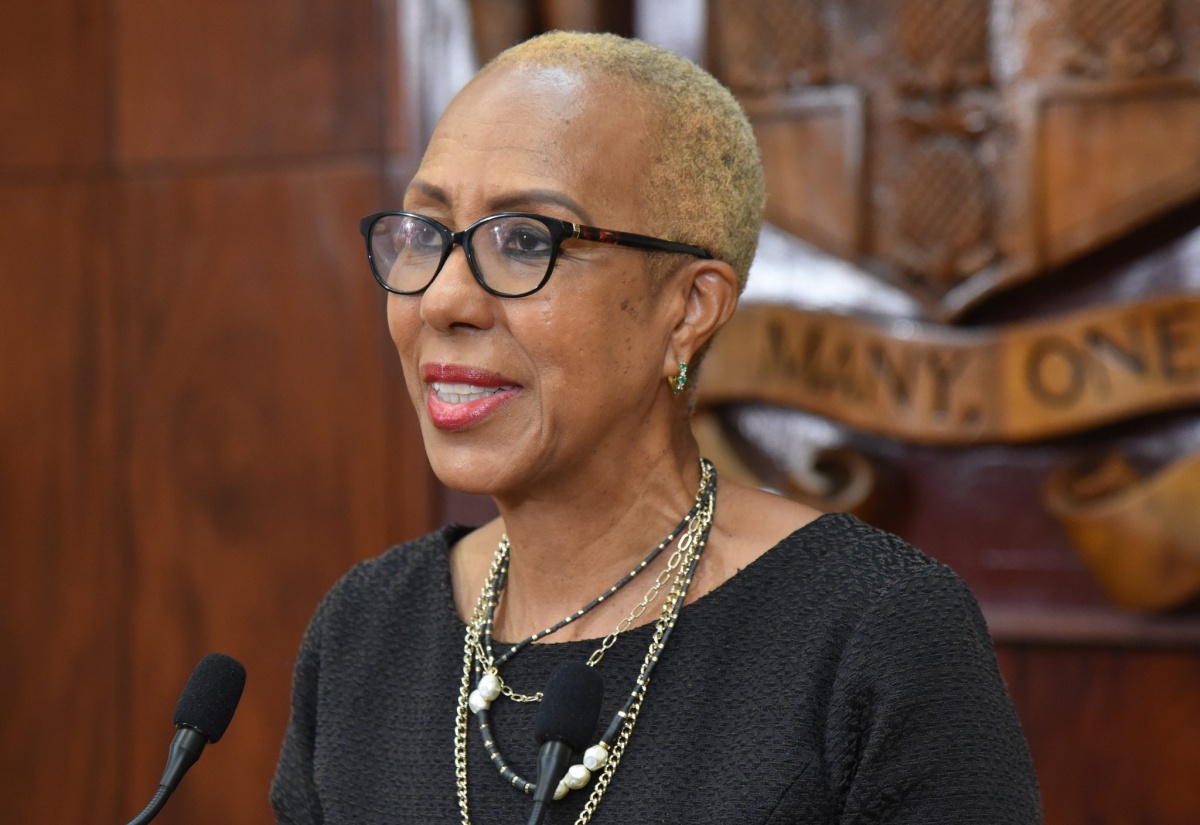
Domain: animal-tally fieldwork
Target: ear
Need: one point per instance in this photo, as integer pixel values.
(709, 292)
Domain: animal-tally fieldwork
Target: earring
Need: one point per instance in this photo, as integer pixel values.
(680, 380)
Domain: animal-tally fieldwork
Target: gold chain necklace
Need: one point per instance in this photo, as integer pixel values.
(607, 753)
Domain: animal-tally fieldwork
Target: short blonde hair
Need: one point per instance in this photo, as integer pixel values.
(706, 181)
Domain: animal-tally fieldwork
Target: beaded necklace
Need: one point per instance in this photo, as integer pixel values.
(502, 579)
(480, 668)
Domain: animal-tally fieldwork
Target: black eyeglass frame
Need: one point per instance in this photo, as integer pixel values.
(560, 231)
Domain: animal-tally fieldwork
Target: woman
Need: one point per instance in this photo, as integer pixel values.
(761, 663)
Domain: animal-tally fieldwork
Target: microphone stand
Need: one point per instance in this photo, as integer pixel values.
(185, 750)
(553, 760)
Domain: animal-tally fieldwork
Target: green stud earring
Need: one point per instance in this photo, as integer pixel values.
(681, 379)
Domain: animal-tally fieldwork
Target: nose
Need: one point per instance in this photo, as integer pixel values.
(455, 299)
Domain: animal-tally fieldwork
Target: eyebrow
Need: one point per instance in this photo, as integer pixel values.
(510, 202)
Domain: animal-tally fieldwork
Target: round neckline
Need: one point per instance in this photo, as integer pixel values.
(793, 542)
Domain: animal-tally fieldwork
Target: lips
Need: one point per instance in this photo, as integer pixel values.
(461, 396)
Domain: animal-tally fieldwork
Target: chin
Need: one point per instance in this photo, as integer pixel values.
(463, 483)
(472, 470)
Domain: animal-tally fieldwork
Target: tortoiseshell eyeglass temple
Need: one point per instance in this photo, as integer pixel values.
(611, 236)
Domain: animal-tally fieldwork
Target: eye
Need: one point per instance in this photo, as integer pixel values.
(523, 238)
(417, 237)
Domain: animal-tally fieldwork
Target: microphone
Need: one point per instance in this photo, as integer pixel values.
(202, 714)
(564, 723)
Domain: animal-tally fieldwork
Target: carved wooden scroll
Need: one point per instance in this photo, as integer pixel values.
(945, 385)
(840, 480)
(1137, 535)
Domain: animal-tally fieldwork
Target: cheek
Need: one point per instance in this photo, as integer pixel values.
(604, 346)
(552, 341)
(403, 318)
(403, 322)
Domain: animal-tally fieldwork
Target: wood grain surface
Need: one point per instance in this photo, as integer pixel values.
(202, 422)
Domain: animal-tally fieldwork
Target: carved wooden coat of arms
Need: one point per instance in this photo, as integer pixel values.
(963, 156)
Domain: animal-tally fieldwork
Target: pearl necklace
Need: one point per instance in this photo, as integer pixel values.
(480, 667)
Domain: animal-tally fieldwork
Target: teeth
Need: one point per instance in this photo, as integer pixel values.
(462, 393)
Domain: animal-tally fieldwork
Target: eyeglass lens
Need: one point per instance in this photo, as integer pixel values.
(512, 254)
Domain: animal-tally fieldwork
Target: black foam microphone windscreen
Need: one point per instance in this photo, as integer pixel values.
(211, 695)
(202, 713)
(570, 705)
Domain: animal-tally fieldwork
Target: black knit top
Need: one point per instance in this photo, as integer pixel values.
(843, 677)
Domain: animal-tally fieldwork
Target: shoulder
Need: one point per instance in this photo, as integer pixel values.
(815, 551)
(833, 585)
(750, 523)
(400, 566)
(412, 574)
(840, 584)
(891, 601)
(914, 698)
(869, 575)
(845, 545)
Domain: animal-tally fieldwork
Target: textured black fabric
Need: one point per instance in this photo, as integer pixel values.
(843, 677)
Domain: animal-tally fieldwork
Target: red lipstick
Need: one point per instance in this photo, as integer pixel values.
(457, 374)
(460, 396)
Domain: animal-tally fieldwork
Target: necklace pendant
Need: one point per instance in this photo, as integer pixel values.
(576, 779)
(476, 702)
(490, 687)
(487, 691)
(595, 757)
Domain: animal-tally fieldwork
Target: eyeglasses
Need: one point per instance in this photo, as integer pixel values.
(511, 254)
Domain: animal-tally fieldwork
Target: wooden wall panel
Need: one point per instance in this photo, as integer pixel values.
(390, 86)
(232, 79)
(202, 421)
(60, 562)
(52, 84)
(252, 389)
(1104, 729)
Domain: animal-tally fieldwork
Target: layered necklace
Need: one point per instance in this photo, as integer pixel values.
(483, 684)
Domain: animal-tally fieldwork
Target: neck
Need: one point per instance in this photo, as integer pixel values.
(567, 548)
